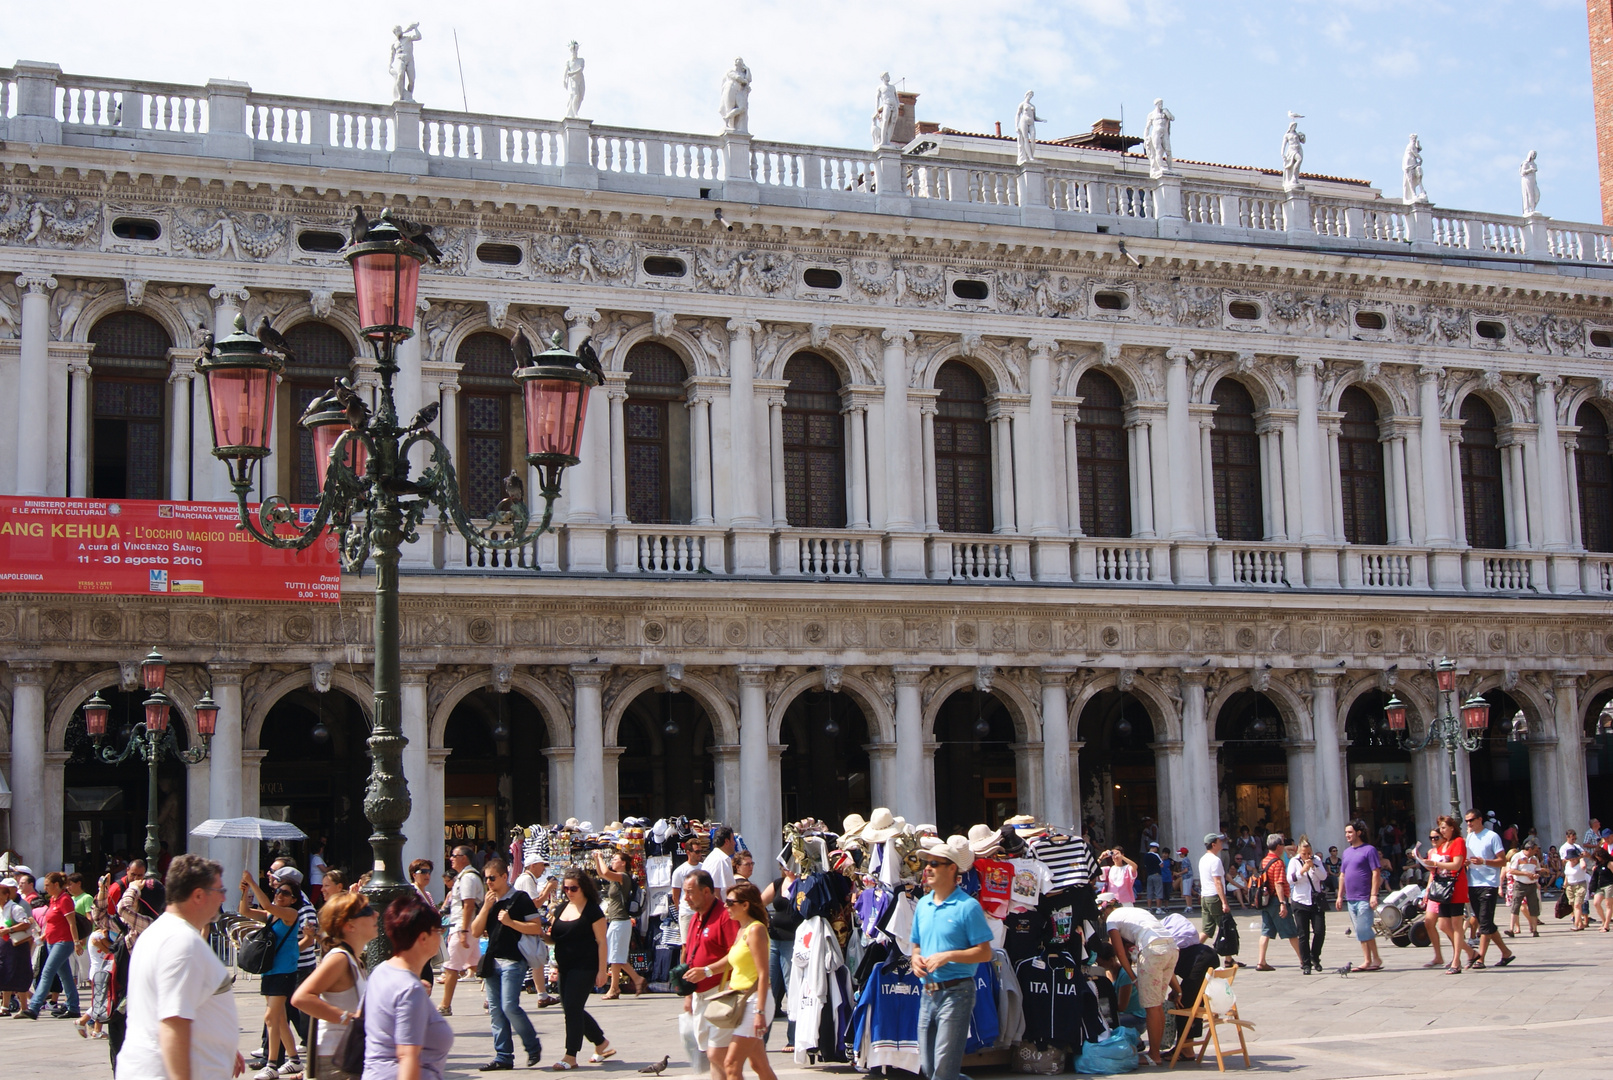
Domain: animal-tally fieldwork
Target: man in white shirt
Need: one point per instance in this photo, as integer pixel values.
(1148, 953)
(181, 1008)
(1524, 870)
(720, 863)
(1213, 884)
(464, 899)
(1486, 855)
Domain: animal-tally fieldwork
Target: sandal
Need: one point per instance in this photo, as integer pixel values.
(600, 1056)
(562, 1066)
(445, 1010)
(1453, 971)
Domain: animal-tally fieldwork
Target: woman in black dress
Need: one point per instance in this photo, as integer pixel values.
(578, 936)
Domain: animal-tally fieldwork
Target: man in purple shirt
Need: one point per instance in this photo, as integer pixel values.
(1360, 874)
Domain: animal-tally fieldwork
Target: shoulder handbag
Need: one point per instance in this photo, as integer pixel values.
(255, 954)
(349, 1055)
(1442, 890)
(726, 1008)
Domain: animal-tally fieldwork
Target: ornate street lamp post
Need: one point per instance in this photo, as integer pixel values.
(151, 740)
(1452, 727)
(367, 494)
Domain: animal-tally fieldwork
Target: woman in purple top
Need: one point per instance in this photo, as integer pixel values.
(405, 1038)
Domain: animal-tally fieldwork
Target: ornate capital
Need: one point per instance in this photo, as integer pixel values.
(35, 283)
(228, 673)
(416, 674)
(892, 337)
(754, 675)
(738, 327)
(1178, 354)
(1548, 383)
(591, 675)
(29, 672)
(1325, 677)
(1197, 676)
(1043, 345)
(581, 316)
(908, 675)
(1308, 365)
(1425, 372)
(134, 291)
(229, 294)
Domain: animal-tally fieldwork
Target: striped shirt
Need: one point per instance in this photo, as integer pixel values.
(308, 955)
(1071, 861)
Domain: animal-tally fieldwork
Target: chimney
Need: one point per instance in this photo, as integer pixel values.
(1601, 30)
(906, 117)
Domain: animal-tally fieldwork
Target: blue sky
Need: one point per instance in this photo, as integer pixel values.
(1482, 81)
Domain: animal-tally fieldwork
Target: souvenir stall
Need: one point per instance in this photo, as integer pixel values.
(852, 995)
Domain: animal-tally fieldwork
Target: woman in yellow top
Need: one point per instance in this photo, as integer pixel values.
(747, 960)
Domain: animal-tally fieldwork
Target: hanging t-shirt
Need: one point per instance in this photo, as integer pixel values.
(983, 1025)
(1069, 858)
(996, 881)
(1031, 879)
(887, 1020)
(1050, 993)
(658, 871)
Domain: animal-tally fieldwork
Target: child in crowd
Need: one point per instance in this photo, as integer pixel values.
(1130, 1002)
(100, 950)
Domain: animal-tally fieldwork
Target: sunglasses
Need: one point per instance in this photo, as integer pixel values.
(284, 892)
(732, 900)
(422, 871)
(364, 912)
(573, 888)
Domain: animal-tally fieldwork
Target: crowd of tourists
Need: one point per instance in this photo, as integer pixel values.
(138, 959)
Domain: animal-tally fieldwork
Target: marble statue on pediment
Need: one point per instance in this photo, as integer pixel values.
(1025, 121)
(1157, 139)
(401, 65)
(1531, 185)
(575, 86)
(1411, 170)
(887, 106)
(735, 108)
(1293, 151)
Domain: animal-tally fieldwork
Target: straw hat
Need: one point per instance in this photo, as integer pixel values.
(954, 849)
(852, 827)
(881, 826)
(984, 840)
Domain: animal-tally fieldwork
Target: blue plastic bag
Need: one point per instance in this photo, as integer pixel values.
(1115, 1053)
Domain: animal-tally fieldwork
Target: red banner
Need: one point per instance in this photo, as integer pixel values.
(130, 546)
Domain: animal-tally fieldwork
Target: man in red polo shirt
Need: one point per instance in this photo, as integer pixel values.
(711, 934)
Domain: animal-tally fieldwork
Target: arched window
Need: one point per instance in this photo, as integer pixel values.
(1235, 462)
(962, 451)
(1595, 481)
(489, 410)
(128, 380)
(814, 453)
(657, 436)
(323, 355)
(1104, 473)
(1483, 504)
(1361, 470)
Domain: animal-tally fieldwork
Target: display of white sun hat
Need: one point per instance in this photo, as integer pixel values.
(984, 840)
(954, 848)
(852, 827)
(881, 826)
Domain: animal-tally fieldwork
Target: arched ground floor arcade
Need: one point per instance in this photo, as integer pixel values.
(762, 714)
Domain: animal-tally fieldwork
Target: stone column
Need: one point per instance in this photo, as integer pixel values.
(1057, 791)
(1436, 460)
(700, 438)
(1315, 504)
(613, 800)
(856, 462)
(927, 411)
(28, 808)
(1292, 478)
(448, 419)
(561, 792)
(437, 808)
(775, 445)
(1043, 521)
(1330, 804)
(78, 450)
(1195, 791)
(898, 454)
(1072, 472)
(909, 786)
(225, 781)
(1174, 811)
(874, 453)
(182, 371)
(1142, 470)
(1207, 479)
(1396, 488)
(616, 391)
(1305, 795)
(742, 403)
(33, 389)
(589, 478)
(1184, 473)
(55, 806)
(1571, 485)
(755, 793)
(881, 762)
(251, 802)
(1002, 426)
(1567, 790)
(588, 791)
(1549, 452)
(418, 843)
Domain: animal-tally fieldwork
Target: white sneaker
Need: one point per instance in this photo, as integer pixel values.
(291, 1067)
(266, 1073)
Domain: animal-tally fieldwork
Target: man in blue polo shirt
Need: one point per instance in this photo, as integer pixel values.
(950, 939)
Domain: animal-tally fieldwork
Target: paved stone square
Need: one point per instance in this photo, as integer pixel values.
(1549, 1016)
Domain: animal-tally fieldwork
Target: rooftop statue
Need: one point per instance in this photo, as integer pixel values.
(1411, 167)
(1293, 151)
(574, 84)
(1531, 185)
(886, 108)
(1025, 121)
(402, 63)
(1157, 139)
(735, 108)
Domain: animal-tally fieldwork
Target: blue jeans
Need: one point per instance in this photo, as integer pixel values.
(58, 964)
(944, 1028)
(1361, 919)
(505, 1012)
(778, 981)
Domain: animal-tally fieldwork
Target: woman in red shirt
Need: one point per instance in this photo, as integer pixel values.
(1448, 860)
(61, 940)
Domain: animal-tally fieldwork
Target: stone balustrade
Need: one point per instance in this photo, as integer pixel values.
(947, 176)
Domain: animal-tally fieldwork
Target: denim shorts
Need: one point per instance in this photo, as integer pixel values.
(1361, 919)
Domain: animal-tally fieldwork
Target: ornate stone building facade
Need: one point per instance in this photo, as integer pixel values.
(919, 477)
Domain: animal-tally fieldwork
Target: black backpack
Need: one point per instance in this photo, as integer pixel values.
(255, 954)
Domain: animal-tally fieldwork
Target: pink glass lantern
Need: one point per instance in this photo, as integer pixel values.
(1445, 676)
(386, 280)
(1475, 713)
(96, 710)
(153, 671)
(206, 715)
(1395, 713)
(241, 378)
(157, 712)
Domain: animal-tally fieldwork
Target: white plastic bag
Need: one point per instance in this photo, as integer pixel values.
(691, 1048)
